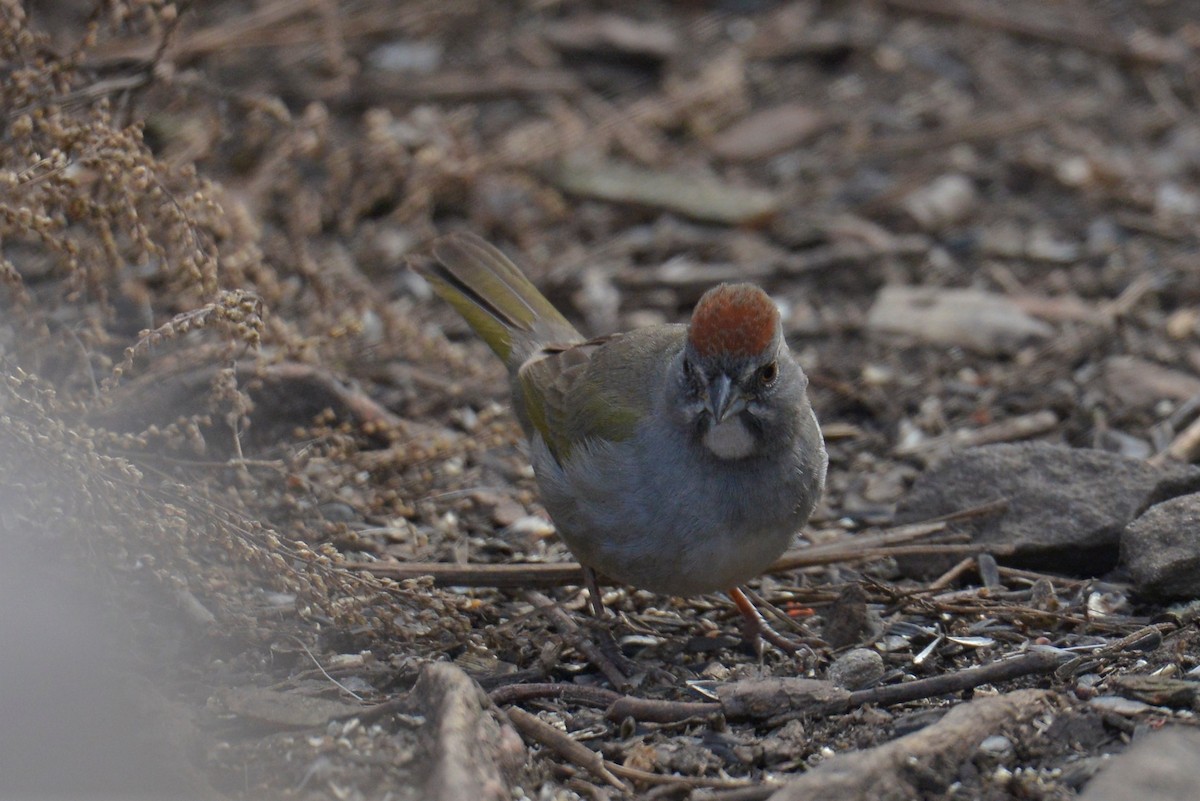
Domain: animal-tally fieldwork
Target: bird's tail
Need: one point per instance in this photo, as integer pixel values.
(496, 299)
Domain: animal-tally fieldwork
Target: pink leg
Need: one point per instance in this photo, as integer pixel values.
(756, 628)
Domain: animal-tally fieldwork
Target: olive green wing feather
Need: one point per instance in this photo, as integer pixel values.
(599, 390)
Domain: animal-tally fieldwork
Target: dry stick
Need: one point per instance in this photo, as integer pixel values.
(1185, 447)
(1003, 19)
(654, 710)
(523, 576)
(534, 728)
(950, 576)
(576, 753)
(1003, 670)
(660, 711)
(1030, 575)
(646, 777)
(581, 694)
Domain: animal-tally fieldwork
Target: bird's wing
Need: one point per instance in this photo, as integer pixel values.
(597, 390)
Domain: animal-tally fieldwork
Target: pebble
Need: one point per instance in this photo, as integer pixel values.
(856, 669)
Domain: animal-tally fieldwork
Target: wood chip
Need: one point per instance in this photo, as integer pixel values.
(984, 322)
(610, 33)
(768, 132)
(1136, 382)
(699, 196)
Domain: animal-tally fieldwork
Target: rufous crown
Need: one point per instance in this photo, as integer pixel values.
(733, 320)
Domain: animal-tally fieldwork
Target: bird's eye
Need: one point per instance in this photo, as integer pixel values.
(768, 373)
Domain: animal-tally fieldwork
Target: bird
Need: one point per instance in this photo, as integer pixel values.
(679, 459)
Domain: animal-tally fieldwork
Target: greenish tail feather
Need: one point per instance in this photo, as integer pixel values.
(492, 330)
(495, 298)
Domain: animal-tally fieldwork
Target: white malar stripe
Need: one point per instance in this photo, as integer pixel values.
(730, 439)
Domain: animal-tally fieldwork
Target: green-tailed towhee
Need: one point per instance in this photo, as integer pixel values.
(679, 459)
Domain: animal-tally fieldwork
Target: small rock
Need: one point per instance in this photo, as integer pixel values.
(1161, 549)
(1066, 507)
(1116, 705)
(1044, 245)
(421, 58)
(942, 202)
(997, 748)
(1173, 202)
(1162, 766)
(856, 669)
(1103, 237)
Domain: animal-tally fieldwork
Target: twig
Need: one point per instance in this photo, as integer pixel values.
(1184, 448)
(325, 673)
(445, 574)
(1031, 575)
(950, 576)
(525, 576)
(1005, 19)
(654, 710)
(534, 728)
(581, 694)
(646, 777)
(1002, 670)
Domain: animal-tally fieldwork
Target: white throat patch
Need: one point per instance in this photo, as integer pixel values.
(730, 440)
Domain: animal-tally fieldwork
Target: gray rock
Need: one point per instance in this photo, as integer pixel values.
(1067, 507)
(1161, 549)
(1162, 766)
(856, 669)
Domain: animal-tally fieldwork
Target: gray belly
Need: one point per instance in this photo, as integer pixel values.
(636, 515)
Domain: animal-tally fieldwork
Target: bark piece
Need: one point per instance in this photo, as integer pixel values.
(1137, 382)
(921, 764)
(610, 34)
(471, 753)
(697, 195)
(767, 132)
(761, 698)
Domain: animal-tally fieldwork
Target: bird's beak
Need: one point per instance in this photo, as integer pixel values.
(723, 401)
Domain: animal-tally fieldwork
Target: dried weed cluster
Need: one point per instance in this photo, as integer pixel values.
(106, 412)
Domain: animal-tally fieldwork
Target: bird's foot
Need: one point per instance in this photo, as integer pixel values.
(756, 629)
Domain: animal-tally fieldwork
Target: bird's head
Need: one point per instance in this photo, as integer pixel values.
(735, 365)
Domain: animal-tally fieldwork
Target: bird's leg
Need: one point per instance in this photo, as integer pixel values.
(755, 627)
(606, 641)
(593, 587)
